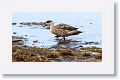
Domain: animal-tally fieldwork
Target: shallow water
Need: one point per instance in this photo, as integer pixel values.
(39, 36)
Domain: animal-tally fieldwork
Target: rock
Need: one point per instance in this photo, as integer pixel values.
(91, 23)
(20, 26)
(35, 41)
(14, 33)
(17, 41)
(14, 23)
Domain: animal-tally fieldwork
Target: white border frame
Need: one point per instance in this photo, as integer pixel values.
(106, 7)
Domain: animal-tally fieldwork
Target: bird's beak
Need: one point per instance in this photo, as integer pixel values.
(81, 32)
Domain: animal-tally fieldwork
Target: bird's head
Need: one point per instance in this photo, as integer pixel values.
(49, 23)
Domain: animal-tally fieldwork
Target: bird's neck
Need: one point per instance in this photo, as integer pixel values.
(51, 27)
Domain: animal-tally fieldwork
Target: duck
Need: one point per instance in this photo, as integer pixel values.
(62, 30)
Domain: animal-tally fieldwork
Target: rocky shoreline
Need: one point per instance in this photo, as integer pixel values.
(23, 53)
(18, 41)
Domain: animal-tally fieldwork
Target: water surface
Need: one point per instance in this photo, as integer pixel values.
(90, 23)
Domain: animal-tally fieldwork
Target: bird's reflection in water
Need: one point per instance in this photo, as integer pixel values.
(68, 43)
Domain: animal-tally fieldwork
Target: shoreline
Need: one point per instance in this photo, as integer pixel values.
(34, 54)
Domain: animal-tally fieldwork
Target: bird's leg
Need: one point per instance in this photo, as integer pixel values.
(64, 38)
(63, 34)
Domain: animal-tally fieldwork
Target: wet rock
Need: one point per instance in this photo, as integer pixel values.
(25, 23)
(91, 23)
(90, 43)
(17, 37)
(14, 23)
(17, 41)
(81, 26)
(26, 35)
(38, 23)
(36, 41)
(20, 26)
(33, 44)
(14, 33)
(96, 43)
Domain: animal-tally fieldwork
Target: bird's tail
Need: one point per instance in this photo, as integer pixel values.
(75, 32)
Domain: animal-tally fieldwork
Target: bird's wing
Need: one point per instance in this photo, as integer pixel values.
(65, 27)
